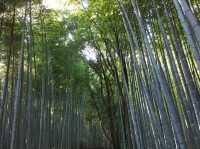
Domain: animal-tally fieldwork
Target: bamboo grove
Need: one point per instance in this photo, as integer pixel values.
(109, 74)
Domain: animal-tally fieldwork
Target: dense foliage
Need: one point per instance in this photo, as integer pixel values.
(121, 74)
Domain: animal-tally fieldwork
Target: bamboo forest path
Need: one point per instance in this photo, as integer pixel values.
(99, 74)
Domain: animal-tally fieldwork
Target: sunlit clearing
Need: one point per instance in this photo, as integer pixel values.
(64, 5)
(70, 36)
(89, 53)
(54, 4)
(85, 3)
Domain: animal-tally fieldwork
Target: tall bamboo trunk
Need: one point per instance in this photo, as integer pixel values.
(18, 86)
(29, 108)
